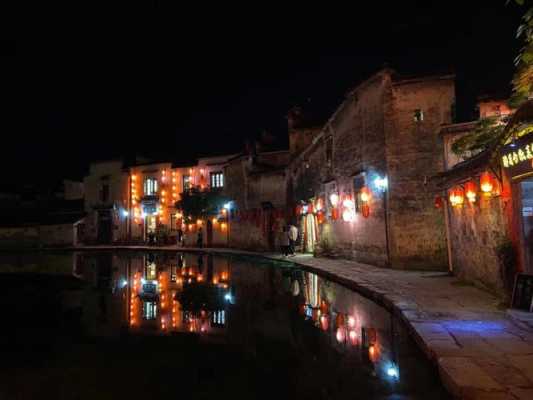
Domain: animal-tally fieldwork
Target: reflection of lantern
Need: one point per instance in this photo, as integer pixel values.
(341, 335)
(320, 217)
(486, 183)
(470, 191)
(339, 321)
(351, 321)
(334, 199)
(365, 194)
(324, 307)
(324, 322)
(438, 202)
(318, 205)
(334, 214)
(353, 337)
(348, 215)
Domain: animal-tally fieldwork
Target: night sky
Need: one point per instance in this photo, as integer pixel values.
(174, 83)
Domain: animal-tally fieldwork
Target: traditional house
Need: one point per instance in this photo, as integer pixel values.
(488, 200)
(361, 187)
(133, 203)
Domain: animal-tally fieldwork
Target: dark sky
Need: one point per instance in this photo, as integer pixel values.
(81, 84)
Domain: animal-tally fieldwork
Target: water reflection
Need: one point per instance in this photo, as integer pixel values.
(327, 339)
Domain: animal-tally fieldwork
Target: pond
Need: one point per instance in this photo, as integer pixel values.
(130, 325)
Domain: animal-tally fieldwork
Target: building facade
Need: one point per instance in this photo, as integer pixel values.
(488, 201)
(137, 203)
(361, 188)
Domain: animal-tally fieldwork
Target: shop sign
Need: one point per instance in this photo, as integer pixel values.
(517, 158)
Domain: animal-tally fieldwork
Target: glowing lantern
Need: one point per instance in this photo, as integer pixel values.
(456, 197)
(199, 222)
(334, 199)
(351, 321)
(353, 337)
(334, 214)
(214, 221)
(318, 205)
(486, 183)
(438, 202)
(365, 194)
(348, 215)
(470, 191)
(223, 226)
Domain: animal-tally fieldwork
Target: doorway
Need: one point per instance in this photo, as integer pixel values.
(526, 189)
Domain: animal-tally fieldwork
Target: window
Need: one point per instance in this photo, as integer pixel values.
(217, 179)
(149, 310)
(150, 187)
(186, 182)
(418, 115)
(358, 184)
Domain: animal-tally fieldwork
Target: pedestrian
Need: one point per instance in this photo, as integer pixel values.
(284, 242)
(293, 236)
(200, 239)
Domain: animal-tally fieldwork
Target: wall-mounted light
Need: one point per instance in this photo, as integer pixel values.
(381, 183)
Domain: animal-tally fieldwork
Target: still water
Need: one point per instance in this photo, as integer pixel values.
(158, 325)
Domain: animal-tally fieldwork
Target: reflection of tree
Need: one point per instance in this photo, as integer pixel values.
(201, 297)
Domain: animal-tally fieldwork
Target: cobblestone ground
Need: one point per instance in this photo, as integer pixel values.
(482, 351)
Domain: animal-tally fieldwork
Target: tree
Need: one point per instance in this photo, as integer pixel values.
(201, 204)
(523, 78)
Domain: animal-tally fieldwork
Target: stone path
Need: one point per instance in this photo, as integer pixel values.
(481, 351)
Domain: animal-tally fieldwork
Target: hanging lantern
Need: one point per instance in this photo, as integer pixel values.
(318, 205)
(486, 184)
(457, 196)
(335, 214)
(438, 202)
(324, 322)
(341, 335)
(470, 191)
(366, 194)
(334, 199)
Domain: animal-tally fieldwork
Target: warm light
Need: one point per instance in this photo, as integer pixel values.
(486, 183)
(163, 192)
(214, 221)
(224, 276)
(348, 215)
(334, 199)
(199, 222)
(470, 190)
(341, 335)
(215, 279)
(456, 196)
(318, 205)
(133, 177)
(200, 278)
(353, 336)
(223, 226)
(190, 170)
(191, 226)
(179, 215)
(365, 194)
(372, 350)
(324, 322)
(351, 321)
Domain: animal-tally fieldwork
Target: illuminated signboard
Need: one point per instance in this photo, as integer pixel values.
(517, 158)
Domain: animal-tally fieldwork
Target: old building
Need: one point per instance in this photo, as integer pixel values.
(256, 186)
(135, 203)
(361, 187)
(488, 201)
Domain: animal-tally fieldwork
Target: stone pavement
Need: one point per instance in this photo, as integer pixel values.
(481, 351)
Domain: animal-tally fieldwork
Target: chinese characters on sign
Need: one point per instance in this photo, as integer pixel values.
(517, 156)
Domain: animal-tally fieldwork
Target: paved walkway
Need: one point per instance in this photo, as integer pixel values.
(481, 352)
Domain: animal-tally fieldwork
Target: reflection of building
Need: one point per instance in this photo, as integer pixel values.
(176, 293)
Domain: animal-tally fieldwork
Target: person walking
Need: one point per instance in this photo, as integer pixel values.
(293, 236)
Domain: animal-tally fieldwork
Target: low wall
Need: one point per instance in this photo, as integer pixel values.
(37, 236)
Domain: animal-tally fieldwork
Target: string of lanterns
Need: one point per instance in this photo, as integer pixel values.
(487, 186)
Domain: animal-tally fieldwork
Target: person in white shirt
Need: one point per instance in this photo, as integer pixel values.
(293, 236)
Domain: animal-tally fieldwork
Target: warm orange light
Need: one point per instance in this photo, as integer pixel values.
(486, 183)
(365, 194)
(199, 222)
(372, 350)
(470, 191)
(215, 279)
(214, 221)
(456, 196)
(223, 226)
(224, 276)
(200, 278)
(133, 177)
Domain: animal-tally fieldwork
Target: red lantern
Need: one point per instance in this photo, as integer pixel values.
(470, 191)
(486, 184)
(334, 214)
(365, 210)
(457, 196)
(298, 210)
(438, 202)
(320, 217)
(366, 194)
